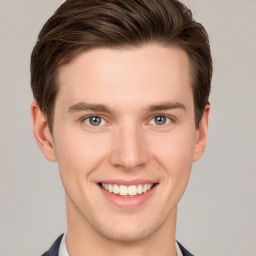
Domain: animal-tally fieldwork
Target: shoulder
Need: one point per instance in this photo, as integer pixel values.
(54, 250)
(184, 251)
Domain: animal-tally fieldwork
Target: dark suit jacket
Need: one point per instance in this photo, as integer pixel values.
(54, 250)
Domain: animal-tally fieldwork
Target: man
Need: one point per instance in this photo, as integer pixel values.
(121, 104)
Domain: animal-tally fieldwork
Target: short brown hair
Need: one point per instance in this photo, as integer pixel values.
(80, 25)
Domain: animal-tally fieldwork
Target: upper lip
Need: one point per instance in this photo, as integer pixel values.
(129, 182)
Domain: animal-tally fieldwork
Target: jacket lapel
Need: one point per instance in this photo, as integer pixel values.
(184, 251)
(54, 250)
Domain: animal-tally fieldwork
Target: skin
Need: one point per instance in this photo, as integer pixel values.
(128, 144)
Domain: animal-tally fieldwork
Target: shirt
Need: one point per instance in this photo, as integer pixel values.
(64, 252)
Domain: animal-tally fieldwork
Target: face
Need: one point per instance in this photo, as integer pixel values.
(124, 138)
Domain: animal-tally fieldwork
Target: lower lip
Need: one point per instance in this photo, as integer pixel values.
(128, 202)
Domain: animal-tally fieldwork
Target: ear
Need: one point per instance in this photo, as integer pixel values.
(42, 132)
(202, 132)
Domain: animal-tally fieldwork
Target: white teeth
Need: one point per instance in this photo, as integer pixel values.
(139, 189)
(132, 190)
(115, 189)
(123, 190)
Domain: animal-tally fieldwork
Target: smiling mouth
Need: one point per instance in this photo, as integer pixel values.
(127, 191)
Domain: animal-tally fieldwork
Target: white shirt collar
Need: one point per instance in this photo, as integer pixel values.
(64, 252)
(63, 248)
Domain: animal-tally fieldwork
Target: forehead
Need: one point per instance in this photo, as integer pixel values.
(124, 76)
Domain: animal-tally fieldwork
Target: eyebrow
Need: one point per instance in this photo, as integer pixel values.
(166, 106)
(82, 106)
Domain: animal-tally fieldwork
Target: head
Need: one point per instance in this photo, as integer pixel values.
(78, 26)
(121, 90)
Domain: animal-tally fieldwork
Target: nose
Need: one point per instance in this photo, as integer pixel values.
(129, 150)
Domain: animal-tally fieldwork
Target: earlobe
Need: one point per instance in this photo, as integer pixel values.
(202, 134)
(42, 132)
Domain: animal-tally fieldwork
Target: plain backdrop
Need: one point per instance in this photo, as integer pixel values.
(217, 213)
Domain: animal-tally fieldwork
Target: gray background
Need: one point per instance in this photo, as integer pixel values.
(217, 213)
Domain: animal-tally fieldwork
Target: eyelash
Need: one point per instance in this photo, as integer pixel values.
(171, 120)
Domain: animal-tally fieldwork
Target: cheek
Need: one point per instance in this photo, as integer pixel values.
(175, 153)
(79, 154)
(176, 149)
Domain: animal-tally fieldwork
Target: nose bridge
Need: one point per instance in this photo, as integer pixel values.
(129, 150)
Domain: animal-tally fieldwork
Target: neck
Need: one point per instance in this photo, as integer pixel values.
(83, 240)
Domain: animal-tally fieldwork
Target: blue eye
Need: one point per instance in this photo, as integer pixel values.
(160, 120)
(94, 121)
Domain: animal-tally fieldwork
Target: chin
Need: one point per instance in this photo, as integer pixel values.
(129, 230)
(127, 235)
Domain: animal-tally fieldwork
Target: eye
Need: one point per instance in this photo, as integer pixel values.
(94, 121)
(160, 120)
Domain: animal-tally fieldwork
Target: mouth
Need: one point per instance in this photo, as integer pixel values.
(128, 194)
(127, 191)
